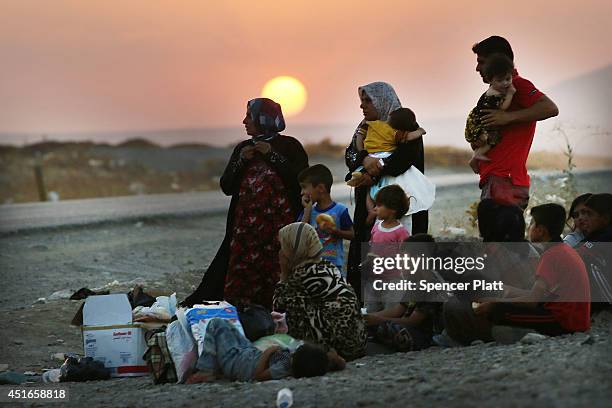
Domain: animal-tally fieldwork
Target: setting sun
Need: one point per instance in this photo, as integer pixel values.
(288, 92)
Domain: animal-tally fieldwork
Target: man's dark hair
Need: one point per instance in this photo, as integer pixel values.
(309, 360)
(421, 243)
(497, 65)
(315, 175)
(500, 223)
(394, 198)
(420, 237)
(581, 199)
(552, 217)
(493, 45)
(403, 119)
(601, 204)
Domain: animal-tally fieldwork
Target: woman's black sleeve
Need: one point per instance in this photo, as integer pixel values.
(231, 176)
(353, 157)
(405, 155)
(288, 161)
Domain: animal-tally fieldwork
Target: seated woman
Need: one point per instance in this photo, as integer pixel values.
(594, 250)
(577, 215)
(320, 306)
(406, 326)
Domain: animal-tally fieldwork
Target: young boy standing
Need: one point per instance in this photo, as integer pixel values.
(331, 219)
(559, 301)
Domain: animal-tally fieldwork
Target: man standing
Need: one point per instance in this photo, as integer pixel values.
(504, 178)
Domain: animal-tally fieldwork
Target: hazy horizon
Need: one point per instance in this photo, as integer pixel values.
(111, 69)
(104, 65)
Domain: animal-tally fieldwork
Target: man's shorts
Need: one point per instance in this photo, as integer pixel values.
(502, 191)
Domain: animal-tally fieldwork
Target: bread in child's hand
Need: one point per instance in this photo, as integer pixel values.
(355, 176)
(325, 220)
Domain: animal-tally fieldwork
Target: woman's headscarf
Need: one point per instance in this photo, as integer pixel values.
(267, 115)
(301, 243)
(383, 97)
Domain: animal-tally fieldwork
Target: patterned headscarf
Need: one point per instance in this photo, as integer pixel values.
(301, 242)
(383, 97)
(267, 115)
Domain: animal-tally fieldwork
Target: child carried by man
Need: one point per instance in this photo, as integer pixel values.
(498, 74)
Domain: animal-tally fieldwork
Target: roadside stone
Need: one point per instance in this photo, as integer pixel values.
(60, 294)
(425, 388)
(58, 356)
(532, 338)
(588, 341)
(498, 374)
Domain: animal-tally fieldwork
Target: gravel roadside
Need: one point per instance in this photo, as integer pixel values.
(170, 254)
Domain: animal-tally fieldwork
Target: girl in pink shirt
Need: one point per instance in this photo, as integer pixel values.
(391, 205)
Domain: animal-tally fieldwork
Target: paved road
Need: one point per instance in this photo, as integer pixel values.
(21, 217)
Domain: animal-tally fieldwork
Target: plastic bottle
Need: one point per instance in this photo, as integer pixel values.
(284, 399)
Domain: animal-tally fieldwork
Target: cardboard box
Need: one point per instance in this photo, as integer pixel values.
(110, 336)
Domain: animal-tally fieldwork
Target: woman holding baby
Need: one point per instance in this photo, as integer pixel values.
(404, 154)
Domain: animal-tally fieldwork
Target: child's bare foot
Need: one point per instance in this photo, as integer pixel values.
(355, 178)
(200, 377)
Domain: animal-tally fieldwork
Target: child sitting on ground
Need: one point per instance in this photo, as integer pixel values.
(227, 353)
(331, 219)
(391, 205)
(498, 74)
(559, 301)
(381, 140)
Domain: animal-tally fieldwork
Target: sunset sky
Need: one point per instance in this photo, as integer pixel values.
(105, 65)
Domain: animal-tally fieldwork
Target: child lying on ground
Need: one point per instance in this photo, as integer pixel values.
(227, 353)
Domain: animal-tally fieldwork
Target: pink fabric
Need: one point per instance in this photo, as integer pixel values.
(381, 234)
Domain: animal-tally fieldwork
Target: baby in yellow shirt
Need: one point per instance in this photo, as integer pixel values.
(381, 140)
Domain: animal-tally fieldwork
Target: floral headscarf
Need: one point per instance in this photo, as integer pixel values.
(301, 242)
(383, 97)
(267, 115)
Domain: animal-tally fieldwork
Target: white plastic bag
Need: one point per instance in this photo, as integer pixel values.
(182, 346)
(421, 190)
(163, 309)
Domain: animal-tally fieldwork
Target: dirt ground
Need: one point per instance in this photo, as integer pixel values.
(169, 254)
